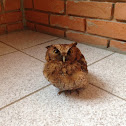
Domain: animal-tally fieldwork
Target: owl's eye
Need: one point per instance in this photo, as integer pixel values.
(69, 52)
(56, 51)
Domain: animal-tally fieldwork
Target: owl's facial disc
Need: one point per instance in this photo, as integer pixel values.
(63, 52)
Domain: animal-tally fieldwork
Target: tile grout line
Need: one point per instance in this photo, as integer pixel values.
(32, 56)
(100, 87)
(108, 92)
(8, 53)
(44, 62)
(30, 46)
(101, 59)
(27, 48)
(24, 97)
(48, 86)
(22, 52)
(48, 42)
(44, 43)
(41, 43)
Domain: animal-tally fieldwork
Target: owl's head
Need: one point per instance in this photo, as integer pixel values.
(62, 52)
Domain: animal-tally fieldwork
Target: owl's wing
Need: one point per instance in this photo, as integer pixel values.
(82, 61)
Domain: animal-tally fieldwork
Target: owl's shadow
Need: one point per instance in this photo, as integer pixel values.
(92, 92)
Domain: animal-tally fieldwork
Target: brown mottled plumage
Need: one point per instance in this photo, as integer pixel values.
(66, 67)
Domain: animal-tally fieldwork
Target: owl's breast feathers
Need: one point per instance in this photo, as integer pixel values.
(66, 76)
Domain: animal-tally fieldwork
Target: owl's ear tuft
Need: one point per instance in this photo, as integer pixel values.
(74, 44)
(48, 46)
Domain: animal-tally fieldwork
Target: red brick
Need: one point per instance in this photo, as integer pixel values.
(0, 7)
(30, 25)
(28, 4)
(120, 11)
(10, 17)
(68, 22)
(118, 45)
(84, 38)
(56, 6)
(14, 27)
(90, 9)
(110, 0)
(37, 17)
(107, 28)
(2, 29)
(50, 30)
(11, 4)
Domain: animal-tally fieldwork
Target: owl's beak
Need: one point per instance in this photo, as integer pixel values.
(63, 58)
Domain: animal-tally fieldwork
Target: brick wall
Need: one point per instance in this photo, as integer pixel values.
(95, 22)
(10, 16)
(92, 22)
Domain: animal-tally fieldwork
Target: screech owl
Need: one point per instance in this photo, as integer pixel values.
(66, 67)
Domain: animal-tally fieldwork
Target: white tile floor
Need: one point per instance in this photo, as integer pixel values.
(28, 99)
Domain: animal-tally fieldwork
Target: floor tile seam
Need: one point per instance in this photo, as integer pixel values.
(101, 59)
(9, 45)
(40, 43)
(87, 65)
(48, 42)
(30, 94)
(49, 85)
(108, 92)
(21, 50)
(30, 46)
(8, 53)
(102, 88)
(31, 56)
(18, 50)
(4, 107)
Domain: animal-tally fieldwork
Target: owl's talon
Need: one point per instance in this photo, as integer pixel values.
(69, 91)
(77, 91)
(66, 91)
(60, 92)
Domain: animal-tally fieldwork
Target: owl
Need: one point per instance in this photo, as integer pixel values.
(66, 67)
